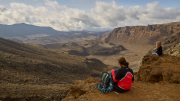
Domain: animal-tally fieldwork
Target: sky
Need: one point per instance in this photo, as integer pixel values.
(92, 15)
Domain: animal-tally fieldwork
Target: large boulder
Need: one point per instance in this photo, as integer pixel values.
(158, 69)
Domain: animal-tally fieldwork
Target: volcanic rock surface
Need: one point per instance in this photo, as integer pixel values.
(142, 35)
(160, 69)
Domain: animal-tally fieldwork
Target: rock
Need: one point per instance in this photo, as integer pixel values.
(80, 87)
(155, 69)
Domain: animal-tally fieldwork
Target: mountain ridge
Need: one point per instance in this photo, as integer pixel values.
(142, 35)
(22, 30)
(45, 35)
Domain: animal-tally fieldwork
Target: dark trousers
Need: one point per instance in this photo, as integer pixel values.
(118, 89)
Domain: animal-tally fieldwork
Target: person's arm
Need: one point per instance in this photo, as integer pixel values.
(113, 75)
(118, 75)
(159, 51)
(133, 79)
(132, 75)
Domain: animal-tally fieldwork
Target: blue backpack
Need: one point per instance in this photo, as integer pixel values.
(106, 84)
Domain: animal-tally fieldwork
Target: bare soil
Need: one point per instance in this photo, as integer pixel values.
(140, 91)
(156, 80)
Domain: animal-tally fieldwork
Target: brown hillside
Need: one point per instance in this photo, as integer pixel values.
(31, 60)
(142, 34)
(25, 68)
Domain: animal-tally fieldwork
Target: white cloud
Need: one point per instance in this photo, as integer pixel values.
(2, 8)
(109, 14)
(9, 16)
(103, 16)
(157, 12)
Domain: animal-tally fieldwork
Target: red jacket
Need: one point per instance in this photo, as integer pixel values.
(124, 77)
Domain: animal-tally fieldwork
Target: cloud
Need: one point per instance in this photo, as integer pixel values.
(157, 12)
(103, 15)
(9, 16)
(2, 8)
(109, 14)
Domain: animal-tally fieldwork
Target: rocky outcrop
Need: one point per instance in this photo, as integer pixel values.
(159, 69)
(142, 35)
(81, 87)
(99, 50)
(80, 51)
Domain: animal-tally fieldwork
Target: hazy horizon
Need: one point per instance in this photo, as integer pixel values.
(90, 15)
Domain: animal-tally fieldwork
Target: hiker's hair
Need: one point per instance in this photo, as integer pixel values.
(158, 42)
(122, 61)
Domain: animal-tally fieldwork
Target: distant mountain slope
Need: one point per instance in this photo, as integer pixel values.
(170, 46)
(63, 37)
(22, 30)
(23, 63)
(142, 35)
(45, 35)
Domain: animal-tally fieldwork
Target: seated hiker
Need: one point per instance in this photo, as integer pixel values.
(159, 49)
(123, 77)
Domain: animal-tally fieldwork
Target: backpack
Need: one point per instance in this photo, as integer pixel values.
(106, 84)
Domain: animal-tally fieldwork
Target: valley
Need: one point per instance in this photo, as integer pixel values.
(45, 66)
(29, 71)
(134, 43)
